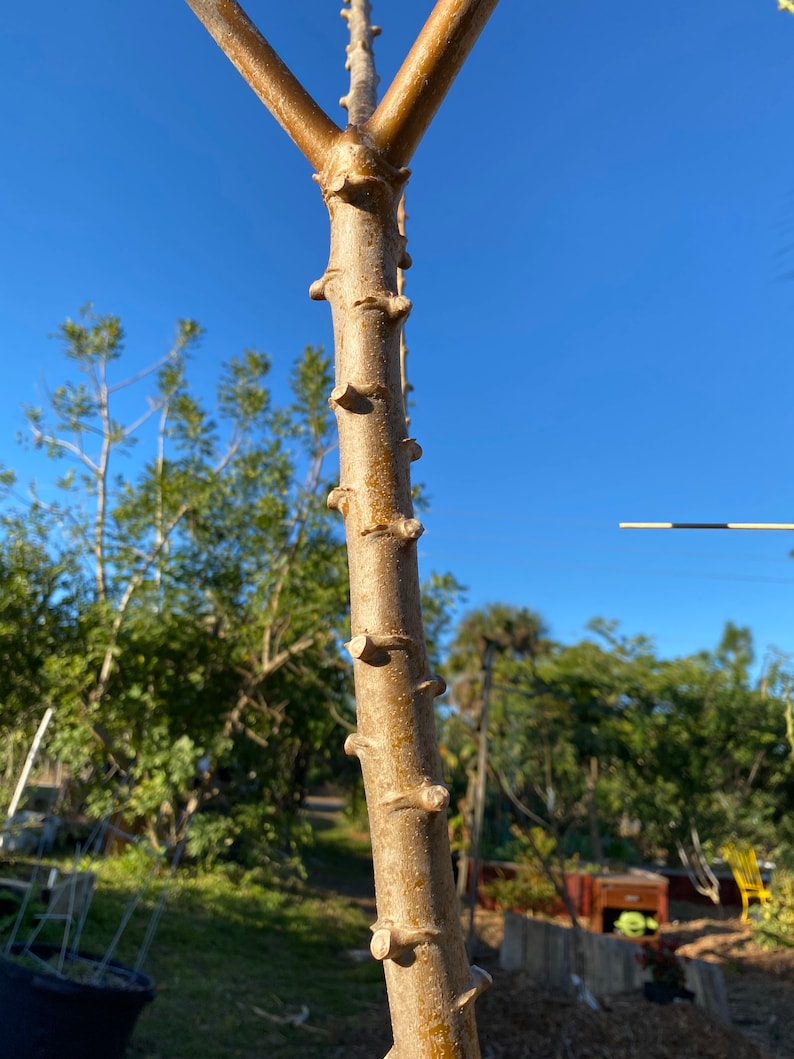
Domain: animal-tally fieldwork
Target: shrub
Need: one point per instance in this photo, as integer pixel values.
(251, 836)
(530, 888)
(773, 922)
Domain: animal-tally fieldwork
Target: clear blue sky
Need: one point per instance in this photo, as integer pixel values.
(599, 221)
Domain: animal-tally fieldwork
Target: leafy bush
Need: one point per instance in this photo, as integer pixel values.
(252, 836)
(773, 922)
(530, 888)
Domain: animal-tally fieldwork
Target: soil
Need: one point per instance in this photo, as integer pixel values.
(45, 959)
(519, 1020)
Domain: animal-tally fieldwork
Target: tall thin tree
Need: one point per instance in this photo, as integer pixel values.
(361, 172)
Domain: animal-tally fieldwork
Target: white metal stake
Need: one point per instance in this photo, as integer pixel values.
(709, 525)
(23, 779)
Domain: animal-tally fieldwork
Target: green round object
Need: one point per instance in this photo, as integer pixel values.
(631, 924)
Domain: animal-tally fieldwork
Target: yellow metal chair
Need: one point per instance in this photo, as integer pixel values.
(744, 865)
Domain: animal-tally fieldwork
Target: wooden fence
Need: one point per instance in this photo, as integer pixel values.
(607, 964)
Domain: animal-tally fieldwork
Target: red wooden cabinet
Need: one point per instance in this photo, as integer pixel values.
(611, 895)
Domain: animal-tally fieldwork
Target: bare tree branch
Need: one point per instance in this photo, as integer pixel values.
(40, 438)
(278, 88)
(340, 720)
(423, 80)
(275, 663)
(361, 100)
(406, 386)
(698, 868)
(521, 806)
(558, 880)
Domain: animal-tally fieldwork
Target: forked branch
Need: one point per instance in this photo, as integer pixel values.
(405, 112)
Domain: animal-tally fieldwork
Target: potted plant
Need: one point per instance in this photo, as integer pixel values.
(668, 973)
(59, 1000)
(56, 1005)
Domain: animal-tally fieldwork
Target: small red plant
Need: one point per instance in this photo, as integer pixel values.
(660, 959)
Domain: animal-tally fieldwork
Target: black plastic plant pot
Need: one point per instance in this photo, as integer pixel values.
(663, 994)
(47, 1016)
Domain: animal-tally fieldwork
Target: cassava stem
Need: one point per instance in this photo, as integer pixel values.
(361, 174)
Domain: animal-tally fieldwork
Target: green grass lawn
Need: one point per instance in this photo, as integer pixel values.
(230, 951)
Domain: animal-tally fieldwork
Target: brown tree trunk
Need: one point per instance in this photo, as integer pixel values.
(418, 934)
(360, 171)
(596, 849)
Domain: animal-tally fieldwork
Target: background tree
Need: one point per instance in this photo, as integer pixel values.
(38, 607)
(208, 584)
(487, 642)
(710, 750)
(615, 751)
(517, 634)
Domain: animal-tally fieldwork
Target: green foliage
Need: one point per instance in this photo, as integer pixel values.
(617, 753)
(182, 595)
(528, 891)
(530, 888)
(441, 596)
(185, 606)
(773, 922)
(253, 836)
(37, 610)
(514, 633)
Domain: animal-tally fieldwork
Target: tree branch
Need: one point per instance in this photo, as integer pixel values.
(278, 88)
(272, 665)
(362, 98)
(423, 80)
(406, 386)
(40, 438)
(521, 806)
